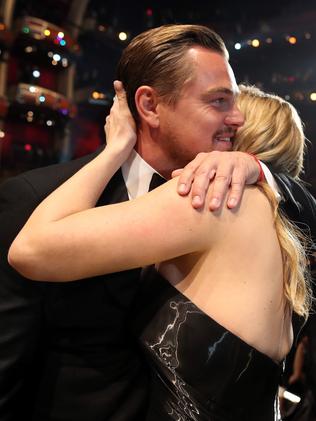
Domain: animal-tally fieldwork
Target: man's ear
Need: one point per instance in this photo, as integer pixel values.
(146, 100)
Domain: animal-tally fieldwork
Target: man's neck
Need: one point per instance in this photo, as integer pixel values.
(153, 155)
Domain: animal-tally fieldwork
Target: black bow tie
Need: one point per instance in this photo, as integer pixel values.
(156, 181)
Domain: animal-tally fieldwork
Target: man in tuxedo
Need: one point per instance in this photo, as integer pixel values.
(65, 349)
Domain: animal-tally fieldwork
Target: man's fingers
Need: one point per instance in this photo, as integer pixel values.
(200, 185)
(236, 190)
(185, 181)
(176, 173)
(232, 168)
(188, 173)
(220, 188)
(235, 194)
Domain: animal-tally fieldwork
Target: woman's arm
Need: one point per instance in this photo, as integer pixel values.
(152, 228)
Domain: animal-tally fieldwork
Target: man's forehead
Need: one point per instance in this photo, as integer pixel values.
(210, 73)
(210, 62)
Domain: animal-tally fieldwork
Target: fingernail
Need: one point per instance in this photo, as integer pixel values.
(196, 201)
(215, 203)
(182, 188)
(232, 202)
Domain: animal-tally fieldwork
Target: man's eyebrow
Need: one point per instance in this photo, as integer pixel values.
(215, 91)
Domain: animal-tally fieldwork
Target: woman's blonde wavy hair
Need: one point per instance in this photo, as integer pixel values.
(273, 131)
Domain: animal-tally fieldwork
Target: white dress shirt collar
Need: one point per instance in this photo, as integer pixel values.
(137, 175)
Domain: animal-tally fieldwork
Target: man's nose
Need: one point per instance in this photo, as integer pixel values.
(235, 118)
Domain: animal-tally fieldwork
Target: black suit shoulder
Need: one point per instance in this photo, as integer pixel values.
(44, 180)
(298, 204)
(21, 194)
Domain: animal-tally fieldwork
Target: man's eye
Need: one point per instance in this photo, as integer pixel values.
(219, 101)
(223, 103)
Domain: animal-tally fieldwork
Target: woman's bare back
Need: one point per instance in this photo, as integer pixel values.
(239, 280)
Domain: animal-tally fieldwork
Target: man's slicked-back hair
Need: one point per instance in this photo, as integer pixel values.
(157, 58)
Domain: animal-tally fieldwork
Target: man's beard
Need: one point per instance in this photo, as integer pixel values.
(178, 152)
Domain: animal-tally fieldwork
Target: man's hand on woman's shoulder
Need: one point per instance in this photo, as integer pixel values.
(222, 172)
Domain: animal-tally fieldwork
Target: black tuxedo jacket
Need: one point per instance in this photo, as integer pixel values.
(65, 349)
(298, 205)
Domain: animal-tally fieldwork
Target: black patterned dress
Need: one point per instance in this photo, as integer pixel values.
(200, 370)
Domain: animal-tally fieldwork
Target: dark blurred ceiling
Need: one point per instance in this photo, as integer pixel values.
(228, 15)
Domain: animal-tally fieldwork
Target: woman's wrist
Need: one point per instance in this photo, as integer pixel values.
(117, 153)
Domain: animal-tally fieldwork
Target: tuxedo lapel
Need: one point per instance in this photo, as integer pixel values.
(115, 191)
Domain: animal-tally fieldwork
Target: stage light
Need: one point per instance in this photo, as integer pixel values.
(62, 42)
(54, 62)
(28, 49)
(95, 95)
(292, 40)
(2, 134)
(60, 35)
(26, 29)
(42, 98)
(237, 46)
(47, 32)
(50, 54)
(32, 89)
(27, 147)
(56, 57)
(36, 73)
(122, 36)
(269, 40)
(313, 96)
(255, 43)
(49, 123)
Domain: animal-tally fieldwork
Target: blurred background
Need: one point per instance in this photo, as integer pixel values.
(58, 59)
(57, 64)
